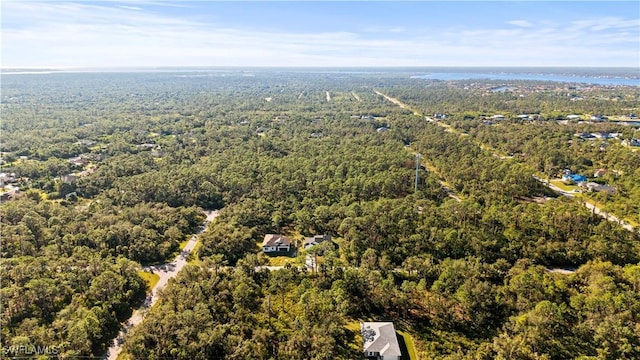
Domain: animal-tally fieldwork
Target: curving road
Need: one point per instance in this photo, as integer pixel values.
(596, 210)
(166, 272)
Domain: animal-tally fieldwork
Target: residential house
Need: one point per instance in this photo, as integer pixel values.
(9, 193)
(574, 178)
(595, 187)
(604, 135)
(585, 135)
(380, 341)
(599, 173)
(439, 116)
(146, 146)
(315, 240)
(69, 178)
(85, 142)
(79, 161)
(7, 178)
(275, 243)
(631, 142)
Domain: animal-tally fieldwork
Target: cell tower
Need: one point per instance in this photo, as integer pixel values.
(417, 168)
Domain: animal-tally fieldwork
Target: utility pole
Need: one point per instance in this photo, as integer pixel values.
(417, 168)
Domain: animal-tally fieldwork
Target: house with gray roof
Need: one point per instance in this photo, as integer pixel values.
(380, 341)
(275, 243)
(315, 240)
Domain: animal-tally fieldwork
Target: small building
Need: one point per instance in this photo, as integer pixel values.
(599, 173)
(585, 135)
(573, 117)
(574, 178)
(7, 178)
(315, 240)
(275, 243)
(380, 341)
(79, 161)
(595, 187)
(382, 129)
(602, 135)
(69, 178)
(498, 117)
(631, 142)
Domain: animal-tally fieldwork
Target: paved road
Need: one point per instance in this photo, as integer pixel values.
(166, 272)
(608, 216)
(590, 206)
(596, 210)
(398, 102)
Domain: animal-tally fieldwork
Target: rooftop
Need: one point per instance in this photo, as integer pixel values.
(380, 337)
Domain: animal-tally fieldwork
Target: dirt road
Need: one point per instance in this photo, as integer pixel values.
(166, 272)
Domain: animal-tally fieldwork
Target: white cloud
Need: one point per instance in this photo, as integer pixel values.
(130, 7)
(521, 23)
(88, 34)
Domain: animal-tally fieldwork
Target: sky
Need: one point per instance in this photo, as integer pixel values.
(151, 33)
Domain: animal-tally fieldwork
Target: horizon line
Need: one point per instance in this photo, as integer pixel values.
(62, 68)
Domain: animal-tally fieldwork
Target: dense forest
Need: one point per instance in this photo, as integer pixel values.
(481, 261)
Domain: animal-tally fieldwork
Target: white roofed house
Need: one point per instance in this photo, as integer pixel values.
(315, 240)
(275, 243)
(380, 341)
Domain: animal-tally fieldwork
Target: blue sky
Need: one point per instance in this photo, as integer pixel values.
(71, 34)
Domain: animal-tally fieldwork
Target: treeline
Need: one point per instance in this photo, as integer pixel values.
(455, 309)
(69, 273)
(550, 148)
(474, 98)
(213, 312)
(72, 304)
(145, 232)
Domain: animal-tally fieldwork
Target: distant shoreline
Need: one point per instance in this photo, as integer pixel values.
(591, 75)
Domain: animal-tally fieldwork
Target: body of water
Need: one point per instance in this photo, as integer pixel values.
(529, 76)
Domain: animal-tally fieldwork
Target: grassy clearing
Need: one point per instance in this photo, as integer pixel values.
(183, 244)
(408, 341)
(280, 260)
(563, 186)
(151, 279)
(193, 257)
